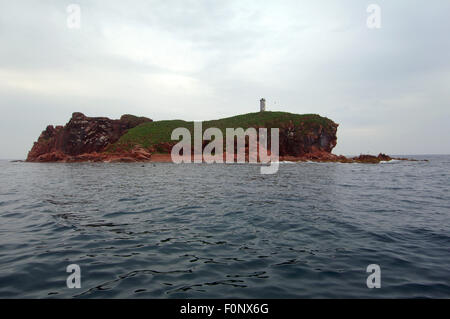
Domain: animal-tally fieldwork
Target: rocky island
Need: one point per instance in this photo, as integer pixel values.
(307, 137)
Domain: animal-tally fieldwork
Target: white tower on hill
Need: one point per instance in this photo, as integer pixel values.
(262, 105)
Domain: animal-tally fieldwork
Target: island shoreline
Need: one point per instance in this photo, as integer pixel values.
(301, 138)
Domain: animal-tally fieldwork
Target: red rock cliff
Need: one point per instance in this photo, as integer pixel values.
(81, 135)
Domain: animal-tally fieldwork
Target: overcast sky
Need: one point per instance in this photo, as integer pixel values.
(388, 88)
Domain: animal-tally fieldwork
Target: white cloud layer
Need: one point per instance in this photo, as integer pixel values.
(388, 88)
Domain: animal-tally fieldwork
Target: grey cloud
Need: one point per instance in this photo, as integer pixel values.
(208, 59)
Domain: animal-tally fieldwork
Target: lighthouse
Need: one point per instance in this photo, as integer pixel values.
(262, 105)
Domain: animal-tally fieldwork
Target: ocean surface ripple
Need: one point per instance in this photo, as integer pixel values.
(160, 230)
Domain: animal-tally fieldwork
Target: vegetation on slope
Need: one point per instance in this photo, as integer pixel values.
(154, 133)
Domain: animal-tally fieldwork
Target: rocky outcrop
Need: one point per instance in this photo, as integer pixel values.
(329, 157)
(80, 136)
(299, 140)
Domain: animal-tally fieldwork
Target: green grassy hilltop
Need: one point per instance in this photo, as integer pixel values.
(154, 133)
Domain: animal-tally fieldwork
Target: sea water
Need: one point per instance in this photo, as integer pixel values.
(161, 230)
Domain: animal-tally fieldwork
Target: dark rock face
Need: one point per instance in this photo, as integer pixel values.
(298, 140)
(364, 158)
(80, 135)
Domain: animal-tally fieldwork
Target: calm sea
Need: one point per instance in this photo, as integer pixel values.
(160, 230)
